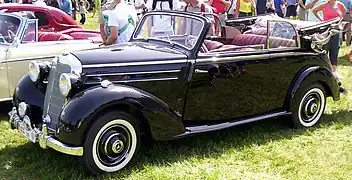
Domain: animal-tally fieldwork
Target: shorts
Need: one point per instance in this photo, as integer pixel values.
(291, 10)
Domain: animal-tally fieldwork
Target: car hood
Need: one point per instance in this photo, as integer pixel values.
(127, 53)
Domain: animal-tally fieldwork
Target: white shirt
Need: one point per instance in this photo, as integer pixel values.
(162, 23)
(137, 3)
(120, 17)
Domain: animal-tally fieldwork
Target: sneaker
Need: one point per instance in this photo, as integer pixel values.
(337, 75)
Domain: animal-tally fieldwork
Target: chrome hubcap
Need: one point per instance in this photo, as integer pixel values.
(117, 146)
(114, 145)
(311, 106)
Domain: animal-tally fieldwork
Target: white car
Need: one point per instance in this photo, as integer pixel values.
(19, 45)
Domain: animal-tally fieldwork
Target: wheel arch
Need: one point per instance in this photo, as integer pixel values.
(310, 75)
(155, 116)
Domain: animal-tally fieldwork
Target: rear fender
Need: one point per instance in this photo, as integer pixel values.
(84, 109)
(312, 75)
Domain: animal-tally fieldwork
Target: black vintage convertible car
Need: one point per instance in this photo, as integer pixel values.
(169, 84)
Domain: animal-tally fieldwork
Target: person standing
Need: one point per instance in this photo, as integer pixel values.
(83, 11)
(244, 8)
(198, 6)
(109, 5)
(291, 9)
(302, 12)
(347, 18)
(220, 8)
(161, 25)
(270, 5)
(66, 6)
(261, 6)
(279, 7)
(119, 23)
(331, 9)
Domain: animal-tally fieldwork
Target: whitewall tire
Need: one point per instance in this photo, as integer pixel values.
(111, 143)
(308, 106)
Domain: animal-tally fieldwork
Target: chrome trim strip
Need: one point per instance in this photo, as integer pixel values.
(233, 58)
(138, 80)
(28, 58)
(207, 128)
(5, 99)
(257, 57)
(134, 63)
(133, 73)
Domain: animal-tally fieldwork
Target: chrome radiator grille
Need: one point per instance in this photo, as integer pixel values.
(54, 100)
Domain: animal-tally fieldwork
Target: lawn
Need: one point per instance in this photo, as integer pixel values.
(262, 150)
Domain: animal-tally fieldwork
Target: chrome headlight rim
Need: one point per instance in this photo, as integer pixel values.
(22, 109)
(34, 70)
(65, 84)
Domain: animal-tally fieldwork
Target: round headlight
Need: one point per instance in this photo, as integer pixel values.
(34, 70)
(22, 108)
(65, 84)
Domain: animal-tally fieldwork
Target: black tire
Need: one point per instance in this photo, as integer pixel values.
(118, 135)
(308, 105)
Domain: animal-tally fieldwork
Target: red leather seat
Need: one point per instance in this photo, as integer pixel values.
(83, 35)
(253, 39)
(248, 39)
(211, 45)
(258, 31)
(52, 36)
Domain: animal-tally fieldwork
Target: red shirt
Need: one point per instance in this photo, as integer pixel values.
(219, 6)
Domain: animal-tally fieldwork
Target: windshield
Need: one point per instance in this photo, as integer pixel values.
(9, 27)
(174, 29)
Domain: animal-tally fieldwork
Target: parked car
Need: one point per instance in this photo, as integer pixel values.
(98, 103)
(51, 19)
(20, 43)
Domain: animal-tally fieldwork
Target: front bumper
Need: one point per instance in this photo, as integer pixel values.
(45, 140)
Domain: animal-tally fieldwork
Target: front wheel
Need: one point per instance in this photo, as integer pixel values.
(111, 142)
(308, 106)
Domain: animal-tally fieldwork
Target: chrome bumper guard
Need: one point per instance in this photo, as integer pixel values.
(45, 140)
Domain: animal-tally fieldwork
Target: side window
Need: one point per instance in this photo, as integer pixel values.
(42, 19)
(31, 32)
(281, 35)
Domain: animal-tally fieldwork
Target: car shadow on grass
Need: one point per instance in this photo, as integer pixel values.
(30, 161)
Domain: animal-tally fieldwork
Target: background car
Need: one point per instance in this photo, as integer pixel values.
(51, 19)
(21, 42)
(178, 84)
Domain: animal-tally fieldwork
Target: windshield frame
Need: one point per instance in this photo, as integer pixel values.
(20, 32)
(205, 25)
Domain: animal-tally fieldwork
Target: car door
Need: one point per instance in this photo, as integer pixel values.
(4, 94)
(228, 86)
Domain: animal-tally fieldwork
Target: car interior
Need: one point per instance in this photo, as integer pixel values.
(244, 37)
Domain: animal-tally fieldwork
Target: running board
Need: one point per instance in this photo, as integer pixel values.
(207, 128)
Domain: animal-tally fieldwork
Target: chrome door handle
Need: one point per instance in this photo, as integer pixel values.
(200, 71)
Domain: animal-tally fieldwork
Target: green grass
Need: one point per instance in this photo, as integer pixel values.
(262, 150)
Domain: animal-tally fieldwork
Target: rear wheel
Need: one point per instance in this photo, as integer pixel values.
(308, 106)
(111, 142)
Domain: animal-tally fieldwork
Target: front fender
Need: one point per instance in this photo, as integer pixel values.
(312, 75)
(82, 110)
(33, 95)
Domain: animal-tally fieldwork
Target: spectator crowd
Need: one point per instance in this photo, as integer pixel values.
(117, 18)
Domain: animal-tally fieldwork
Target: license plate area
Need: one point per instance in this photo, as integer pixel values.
(26, 131)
